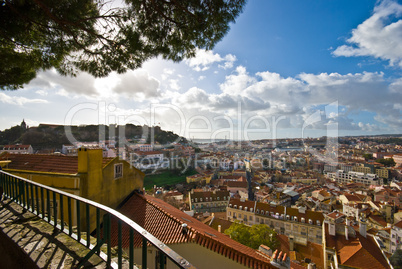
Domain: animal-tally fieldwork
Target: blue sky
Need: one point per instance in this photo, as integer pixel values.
(287, 68)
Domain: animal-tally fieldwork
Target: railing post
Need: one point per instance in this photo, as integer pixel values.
(48, 205)
(78, 220)
(97, 227)
(88, 225)
(70, 220)
(37, 199)
(42, 203)
(162, 260)
(32, 197)
(106, 234)
(54, 210)
(131, 250)
(61, 197)
(21, 188)
(119, 244)
(144, 252)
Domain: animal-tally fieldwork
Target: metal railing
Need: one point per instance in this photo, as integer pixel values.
(65, 211)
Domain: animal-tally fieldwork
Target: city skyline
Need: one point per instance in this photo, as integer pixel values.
(285, 69)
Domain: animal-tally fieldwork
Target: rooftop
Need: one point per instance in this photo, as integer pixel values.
(44, 162)
(165, 223)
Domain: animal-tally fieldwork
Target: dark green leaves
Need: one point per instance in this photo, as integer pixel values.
(94, 36)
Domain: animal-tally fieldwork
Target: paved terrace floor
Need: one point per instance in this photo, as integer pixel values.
(26, 241)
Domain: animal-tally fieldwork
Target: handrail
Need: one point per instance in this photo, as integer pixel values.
(33, 196)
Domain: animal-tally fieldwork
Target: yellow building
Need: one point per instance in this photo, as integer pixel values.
(199, 178)
(362, 169)
(304, 180)
(383, 172)
(107, 181)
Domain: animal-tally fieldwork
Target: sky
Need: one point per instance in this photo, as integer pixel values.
(285, 69)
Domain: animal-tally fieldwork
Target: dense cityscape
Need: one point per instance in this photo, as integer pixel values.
(309, 193)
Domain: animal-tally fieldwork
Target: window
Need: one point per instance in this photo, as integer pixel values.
(118, 170)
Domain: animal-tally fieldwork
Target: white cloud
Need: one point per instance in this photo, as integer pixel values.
(204, 59)
(82, 84)
(167, 72)
(238, 82)
(174, 84)
(18, 100)
(379, 36)
(138, 84)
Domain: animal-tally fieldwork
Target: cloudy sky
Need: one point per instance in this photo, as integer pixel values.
(287, 68)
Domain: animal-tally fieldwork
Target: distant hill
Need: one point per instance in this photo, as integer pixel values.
(50, 136)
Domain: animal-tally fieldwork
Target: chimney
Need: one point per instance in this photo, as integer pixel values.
(279, 258)
(331, 228)
(291, 243)
(219, 228)
(362, 227)
(275, 256)
(347, 228)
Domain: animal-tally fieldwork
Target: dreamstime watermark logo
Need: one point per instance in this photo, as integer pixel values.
(237, 130)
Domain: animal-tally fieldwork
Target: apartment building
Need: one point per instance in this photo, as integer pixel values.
(209, 201)
(302, 224)
(17, 149)
(396, 236)
(341, 176)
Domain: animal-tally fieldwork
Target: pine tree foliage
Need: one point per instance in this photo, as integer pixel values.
(100, 36)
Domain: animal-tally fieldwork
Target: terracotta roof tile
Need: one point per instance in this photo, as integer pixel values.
(398, 224)
(44, 163)
(15, 147)
(164, 222)
(359, 251)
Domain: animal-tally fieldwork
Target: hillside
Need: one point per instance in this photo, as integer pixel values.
(46, 136)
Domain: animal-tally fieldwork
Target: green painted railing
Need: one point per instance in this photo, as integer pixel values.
(75, 211)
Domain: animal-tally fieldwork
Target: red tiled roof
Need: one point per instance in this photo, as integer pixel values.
(236, 184)
(335, 215)
(211, 194)
(15, 147)
(359, 251)
(352, 198)
(398, 224)
(164, 222)
(378, 219)
(313, 215)
(44, 163)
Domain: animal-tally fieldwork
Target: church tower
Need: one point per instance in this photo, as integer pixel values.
(23, 125)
